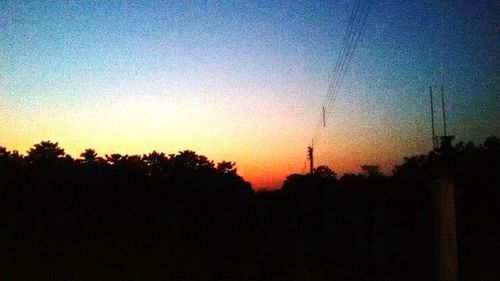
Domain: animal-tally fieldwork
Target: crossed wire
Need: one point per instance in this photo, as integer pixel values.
(356, 23)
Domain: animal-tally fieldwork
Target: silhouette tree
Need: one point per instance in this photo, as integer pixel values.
(227, 167)
(324, 171)
(4, 153)
(190, 219)
(45, 152)
(5, 157)
(114, 159)
(191, 161)
(89, 156)
(157, 163)
(492, 144)
(371, 170)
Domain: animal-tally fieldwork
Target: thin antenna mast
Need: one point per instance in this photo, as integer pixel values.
(444, 112)
(434, 145)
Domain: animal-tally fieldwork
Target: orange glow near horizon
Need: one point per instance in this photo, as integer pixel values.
(265, 141)
(128, 124)
(234, 83)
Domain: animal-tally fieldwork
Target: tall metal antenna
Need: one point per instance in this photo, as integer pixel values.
(434, 144)
(444, 112)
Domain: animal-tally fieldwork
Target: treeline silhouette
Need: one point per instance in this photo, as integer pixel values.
(184, 217)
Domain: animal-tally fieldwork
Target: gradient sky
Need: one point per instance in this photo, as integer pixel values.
(245, 81)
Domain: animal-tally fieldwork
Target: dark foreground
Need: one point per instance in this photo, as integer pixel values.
(182, 217)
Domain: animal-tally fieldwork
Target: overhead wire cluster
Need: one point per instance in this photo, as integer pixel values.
(355, 25)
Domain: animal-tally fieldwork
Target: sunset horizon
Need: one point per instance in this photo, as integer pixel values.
(247, 82)
(338, 140)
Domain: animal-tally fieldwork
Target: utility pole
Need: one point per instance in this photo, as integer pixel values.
(444, 216)
(443, 205)
(310, 157)
(445, 231)
(434, 142)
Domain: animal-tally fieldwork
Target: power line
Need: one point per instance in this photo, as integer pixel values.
(339, 65)
(350, 40)
(350, 52)
(356, 23)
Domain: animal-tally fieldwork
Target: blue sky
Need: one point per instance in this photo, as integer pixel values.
(245, 81)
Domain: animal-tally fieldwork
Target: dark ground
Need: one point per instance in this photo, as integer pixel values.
(182, 217)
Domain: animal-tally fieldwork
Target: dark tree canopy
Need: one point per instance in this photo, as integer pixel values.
(45, 152)
(89, 156)
(183, 217)
(325, 172)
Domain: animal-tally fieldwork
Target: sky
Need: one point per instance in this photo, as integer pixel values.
(245, 81)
